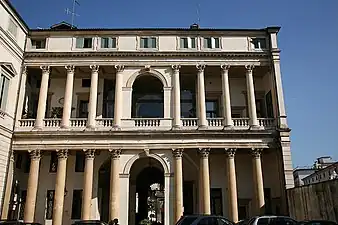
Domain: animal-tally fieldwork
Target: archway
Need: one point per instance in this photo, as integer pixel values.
(147, 97)
(146, 191)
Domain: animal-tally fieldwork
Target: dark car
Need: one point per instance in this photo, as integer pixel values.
(317, 222)
(203, 220)
(16, 222)
(89, 222)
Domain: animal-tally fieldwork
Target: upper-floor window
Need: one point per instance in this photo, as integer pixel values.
(108, 42)
(211, 42)
(38, 43)
(4, 85)
(12, 28)
(259, 43)
(148, 42)
(187, 42)
(86, 42)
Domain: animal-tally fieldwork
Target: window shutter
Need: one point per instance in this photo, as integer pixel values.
(113, 40)
(153, 42)
(142, 43)
(217, 44)
(193, 42)
(182, 43)
(79, 42)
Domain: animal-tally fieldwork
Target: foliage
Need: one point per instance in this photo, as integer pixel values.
(57, 112)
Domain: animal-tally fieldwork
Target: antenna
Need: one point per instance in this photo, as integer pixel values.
(72, 12)
(198, 6)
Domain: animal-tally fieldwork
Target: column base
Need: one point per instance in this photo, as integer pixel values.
(176, 127)
(256, 127)
(202, 127)
(37, 128)
(115, 128)
(90, 128)
(228, 127)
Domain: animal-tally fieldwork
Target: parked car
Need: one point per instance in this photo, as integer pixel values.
(89, 222)
(243, 222)
(272, 220)
(203, 220)
(317, 222)
(16, 222)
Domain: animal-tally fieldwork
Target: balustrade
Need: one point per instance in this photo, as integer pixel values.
(78, 122)
(147, 122)
(105, 122)
(54, 122)
(189, 122)
(27, 123)
(215, 122)
(266, 122)
(241, 122)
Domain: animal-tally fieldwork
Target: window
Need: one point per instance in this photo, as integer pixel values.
(86, 83)
(4, 85)
(108, 98)
(259, 43)
(79, 161)
(212, 108)
(211, 42)
(187, 42)
(108, 42)
(12, 28)
(84, 42)
(83, 108)
(216, 201)
(50, 203)
(148, 42)
(77, 204)
(38, 43)
(269, 106)
(53, 162)
(22, 202)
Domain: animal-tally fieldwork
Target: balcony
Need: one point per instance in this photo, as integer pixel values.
(137, 124)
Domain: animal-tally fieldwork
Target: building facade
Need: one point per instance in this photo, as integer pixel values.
(325, 173)
(13, 32)
(149, 123)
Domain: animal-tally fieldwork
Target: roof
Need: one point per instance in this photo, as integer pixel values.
(15, 13)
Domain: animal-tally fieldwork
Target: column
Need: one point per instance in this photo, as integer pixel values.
(178, 183)
(232, 185)
(8, 190)
(205, 179)
(114, 184)
(88, 183)
(93, 96)
(251, 95)
(32, 186)
(259, 202)
(67, 104)
(226, 96)
(118, 105)
(177, 96)
(41, 111)
(201, 97)
(60, 185)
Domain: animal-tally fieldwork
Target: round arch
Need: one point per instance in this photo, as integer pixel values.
(130, 162)
(147, 71)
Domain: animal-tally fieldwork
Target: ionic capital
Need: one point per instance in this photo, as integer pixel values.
(176, 68)
(94, 68)
(225, 67)
(204, 152)
(34, 154)
(249, 68)
(256, 152)
(70, 68)
(230, 152)
(115, 153)
(89, 153)
(62, 153)
(200, 67)
(119, 68)
(45, 69)
(177, 152)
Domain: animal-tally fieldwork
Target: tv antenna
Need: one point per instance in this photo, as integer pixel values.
(198, 7)
(73, 12)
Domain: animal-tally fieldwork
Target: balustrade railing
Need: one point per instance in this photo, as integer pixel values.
(27, 123)
(52, 122)
(241, 122)
(266, 122)
(215, 122)
(189, 122)
(105, 122)
(78, 122)
(149, 122)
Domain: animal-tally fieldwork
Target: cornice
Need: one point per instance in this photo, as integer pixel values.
(29, 55)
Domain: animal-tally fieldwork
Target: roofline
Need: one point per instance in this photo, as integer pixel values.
(9, 4)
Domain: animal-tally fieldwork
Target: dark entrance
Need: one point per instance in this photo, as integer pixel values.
(103, 191)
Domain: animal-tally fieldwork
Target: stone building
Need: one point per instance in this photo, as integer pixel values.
(137, 123)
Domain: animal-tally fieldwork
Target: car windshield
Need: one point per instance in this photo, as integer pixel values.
(187, 220)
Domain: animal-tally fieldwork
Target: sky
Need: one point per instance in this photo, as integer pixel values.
(308, 41)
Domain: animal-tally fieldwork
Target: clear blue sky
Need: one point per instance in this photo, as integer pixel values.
(308, 40)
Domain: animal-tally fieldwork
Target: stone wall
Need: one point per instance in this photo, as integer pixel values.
(316, 201)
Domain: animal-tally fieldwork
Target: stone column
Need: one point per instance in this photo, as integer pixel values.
(67, 104)
(8, 190)
(118, 96)
(201, 97)
(259, 201)
(93, 96)
(251, 95)
(60, 185)
(32, 186)
(232, 185)
(204, 167)
(177, 96)
(88, 184)
(226, 96)
(40, 115)
(178, 184)
(114, 184)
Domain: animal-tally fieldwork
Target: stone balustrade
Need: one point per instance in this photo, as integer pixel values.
(78, 122)
(215, 122)
(189, 122)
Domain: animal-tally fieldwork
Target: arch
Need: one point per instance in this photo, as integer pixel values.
(147, 71)
(130, 162)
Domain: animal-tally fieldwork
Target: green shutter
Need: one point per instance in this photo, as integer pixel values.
(79, 42)
(153, 42)
(182, 43)
(113, 42)
(193, 42)
(217, 45)
(142, 43)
